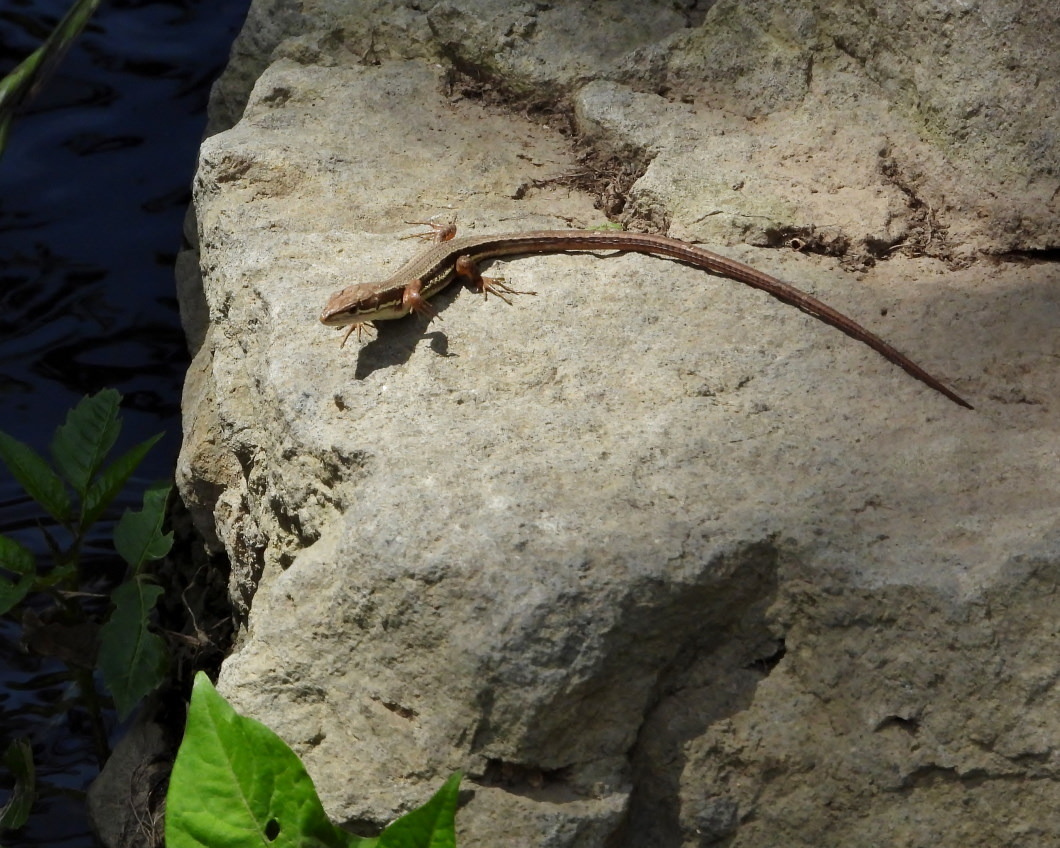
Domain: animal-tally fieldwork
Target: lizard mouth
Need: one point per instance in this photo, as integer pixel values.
(336, 319)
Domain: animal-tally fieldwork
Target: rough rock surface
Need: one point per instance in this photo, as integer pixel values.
(652, 557)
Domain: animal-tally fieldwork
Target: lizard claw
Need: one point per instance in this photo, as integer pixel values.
(360, 327)
(497, 286)
(438, 233)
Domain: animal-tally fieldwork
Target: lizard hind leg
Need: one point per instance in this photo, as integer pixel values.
(497, 286)
(467, 269)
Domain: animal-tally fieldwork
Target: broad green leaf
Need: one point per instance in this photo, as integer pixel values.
(110, 481)
(36, 477)
(431, 826)
(18, 758)
(131, 657)
(18, 560)
(82, 443)
(138, 536)
(236, 784)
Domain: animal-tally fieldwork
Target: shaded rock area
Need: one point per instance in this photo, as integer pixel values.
(652, 557)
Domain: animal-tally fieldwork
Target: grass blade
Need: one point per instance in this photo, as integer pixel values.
(19, 761)
(28, 76)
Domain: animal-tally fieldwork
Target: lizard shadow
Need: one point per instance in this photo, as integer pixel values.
(396, 341)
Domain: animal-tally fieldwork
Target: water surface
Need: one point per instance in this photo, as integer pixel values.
(94, 185)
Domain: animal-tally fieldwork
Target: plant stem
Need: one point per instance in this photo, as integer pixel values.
(90, 698)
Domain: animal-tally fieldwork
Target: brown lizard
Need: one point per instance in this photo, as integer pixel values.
(432, 270)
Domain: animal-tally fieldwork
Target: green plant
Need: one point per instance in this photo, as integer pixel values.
(236, 784)
(19, 761)
(21, 83)
(75, 489)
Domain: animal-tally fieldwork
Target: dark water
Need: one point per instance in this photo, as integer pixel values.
(93, 190)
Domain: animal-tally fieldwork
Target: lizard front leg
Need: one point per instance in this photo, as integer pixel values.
(439, 232)
(412, 299)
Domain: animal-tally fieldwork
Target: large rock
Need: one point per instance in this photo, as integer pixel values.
(652, 557)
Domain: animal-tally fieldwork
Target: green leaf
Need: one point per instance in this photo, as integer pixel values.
(138, 536)
(17, 560)
(35, 476)
(431, 826)
(82, 443)
(19, 761)
(111, 480)
(235, 783)
(131, 657)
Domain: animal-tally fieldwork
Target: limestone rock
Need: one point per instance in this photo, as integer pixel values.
(652, 557)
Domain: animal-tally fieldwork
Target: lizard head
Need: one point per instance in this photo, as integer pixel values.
(359, 303)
